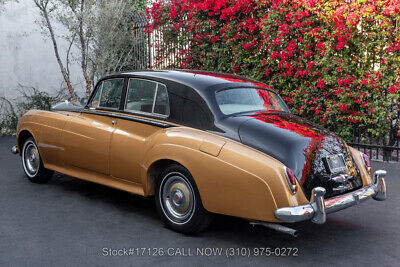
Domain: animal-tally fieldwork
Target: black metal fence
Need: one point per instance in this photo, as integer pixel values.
(378, 152)
(141, 43)
(146, 52)
(377, 149)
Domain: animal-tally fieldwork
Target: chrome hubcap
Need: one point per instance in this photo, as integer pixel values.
(31, 159)
(177, 198)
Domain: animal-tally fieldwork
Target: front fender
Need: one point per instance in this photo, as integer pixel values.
(46, 128)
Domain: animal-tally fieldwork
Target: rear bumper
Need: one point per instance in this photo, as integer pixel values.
(318, 207)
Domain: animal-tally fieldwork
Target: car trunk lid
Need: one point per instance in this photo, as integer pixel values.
(315, 155)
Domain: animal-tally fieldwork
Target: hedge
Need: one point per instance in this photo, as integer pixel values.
(336, 63)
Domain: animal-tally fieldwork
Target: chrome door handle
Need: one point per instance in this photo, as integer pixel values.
(113, 122)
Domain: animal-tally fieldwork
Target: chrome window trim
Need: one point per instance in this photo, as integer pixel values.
(152, 113)
(101, 93)
(148, 114)
(94, 95)
(154, 98)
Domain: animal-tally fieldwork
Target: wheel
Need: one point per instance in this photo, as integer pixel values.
(33, 166)
(178, 201)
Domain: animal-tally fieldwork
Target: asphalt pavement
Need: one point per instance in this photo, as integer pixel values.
(69, 222)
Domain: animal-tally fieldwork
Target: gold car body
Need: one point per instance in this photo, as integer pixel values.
(124, 152)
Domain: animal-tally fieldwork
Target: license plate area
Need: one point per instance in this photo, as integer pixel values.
(335, 163)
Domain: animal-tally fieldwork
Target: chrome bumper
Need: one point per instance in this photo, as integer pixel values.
(318, 207)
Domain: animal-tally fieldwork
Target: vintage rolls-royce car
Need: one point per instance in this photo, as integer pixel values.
(201, 143)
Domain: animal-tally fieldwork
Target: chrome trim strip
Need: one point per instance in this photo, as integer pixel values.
(130, 118)
(318, 207)
(147, 114)
(154, 99)
(101, 93)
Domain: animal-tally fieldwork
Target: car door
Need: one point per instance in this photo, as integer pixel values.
(87, 135)
(148, 102)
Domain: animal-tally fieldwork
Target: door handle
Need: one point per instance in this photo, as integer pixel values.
(113, 122)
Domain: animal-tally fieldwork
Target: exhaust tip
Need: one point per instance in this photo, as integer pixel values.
(277, 227)
(295, 233)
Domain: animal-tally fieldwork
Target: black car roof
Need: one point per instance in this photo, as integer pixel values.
(191, 95)
(197, 79)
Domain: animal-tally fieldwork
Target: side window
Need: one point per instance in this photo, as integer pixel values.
(147, 96)
(108, 94)
(161, 105)
(111, 93)
(96, 98)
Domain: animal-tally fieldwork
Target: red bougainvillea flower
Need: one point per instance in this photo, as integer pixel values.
(322, 56)
(320, 83)
(393, 89)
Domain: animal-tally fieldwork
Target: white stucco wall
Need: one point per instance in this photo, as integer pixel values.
(26, 55)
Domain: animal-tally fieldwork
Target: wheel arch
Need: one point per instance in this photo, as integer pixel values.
(22, 136)
(155, 170)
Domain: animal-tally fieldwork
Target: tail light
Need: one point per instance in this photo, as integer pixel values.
(366, 161)
(291, 179)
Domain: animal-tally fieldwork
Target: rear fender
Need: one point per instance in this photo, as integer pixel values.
(237, 180)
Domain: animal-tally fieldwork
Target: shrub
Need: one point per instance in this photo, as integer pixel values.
(336, 63)
(31, 98)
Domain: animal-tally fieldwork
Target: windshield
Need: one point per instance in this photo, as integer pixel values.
(237, 100)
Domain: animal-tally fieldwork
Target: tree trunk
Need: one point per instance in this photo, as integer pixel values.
(89, 84)
(64, 72)
(84, 56)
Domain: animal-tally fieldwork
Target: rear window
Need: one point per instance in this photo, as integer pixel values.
(238, 100)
